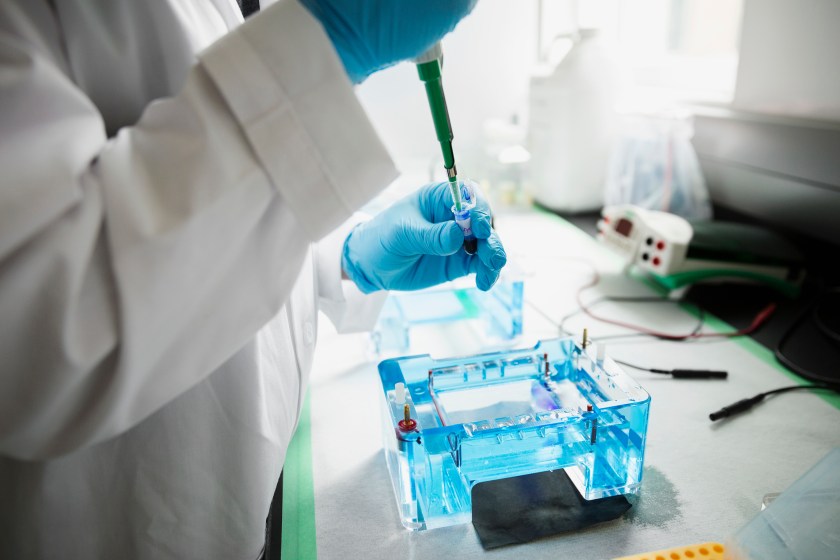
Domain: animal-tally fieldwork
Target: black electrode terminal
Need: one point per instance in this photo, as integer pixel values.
(681, 373)
(746, 404)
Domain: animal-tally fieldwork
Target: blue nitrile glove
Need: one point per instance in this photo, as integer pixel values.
(370, 35)
(415, 244)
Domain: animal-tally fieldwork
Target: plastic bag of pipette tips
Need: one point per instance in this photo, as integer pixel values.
(802, 522)
(654, 165)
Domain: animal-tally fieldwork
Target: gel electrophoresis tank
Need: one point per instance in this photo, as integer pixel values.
(499, 310)
(450, 424)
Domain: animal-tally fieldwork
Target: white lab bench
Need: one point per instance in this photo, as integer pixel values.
(702, 480)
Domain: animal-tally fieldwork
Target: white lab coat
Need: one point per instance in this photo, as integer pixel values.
(162, 183)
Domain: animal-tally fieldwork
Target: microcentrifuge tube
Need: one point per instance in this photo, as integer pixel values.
(462, 216)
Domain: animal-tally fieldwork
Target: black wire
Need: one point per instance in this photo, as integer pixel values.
(815, 386)
(681, 373)
(828, 331)
(626, 336)
(640, 368)
(811, 311)
(545, 315)
(746, 404)
(822, 383)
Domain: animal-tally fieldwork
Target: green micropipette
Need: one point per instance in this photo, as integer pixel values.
(428, 67)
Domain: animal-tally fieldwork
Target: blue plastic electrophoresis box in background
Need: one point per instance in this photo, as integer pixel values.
(498, 311)
(450, 424)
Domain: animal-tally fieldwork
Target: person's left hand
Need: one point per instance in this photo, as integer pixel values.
(370, 35)
(416, 243)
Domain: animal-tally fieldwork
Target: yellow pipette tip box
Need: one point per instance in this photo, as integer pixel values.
(703, 551)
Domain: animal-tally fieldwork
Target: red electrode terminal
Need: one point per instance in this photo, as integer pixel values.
(407, 424)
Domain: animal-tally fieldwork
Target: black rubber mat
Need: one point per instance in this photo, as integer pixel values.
(526, 508)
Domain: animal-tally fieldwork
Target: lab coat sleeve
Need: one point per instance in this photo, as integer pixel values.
(132, 267)
(342, 302)
(291, 104)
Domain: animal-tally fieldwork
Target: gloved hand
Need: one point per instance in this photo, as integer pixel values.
(415, 244)
(370, 35)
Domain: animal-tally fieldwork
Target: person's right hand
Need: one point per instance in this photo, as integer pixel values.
(372, 34)
(415, 243)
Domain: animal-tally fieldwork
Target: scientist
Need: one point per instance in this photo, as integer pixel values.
(174, 205)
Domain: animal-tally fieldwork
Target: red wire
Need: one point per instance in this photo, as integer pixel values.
(760, 318)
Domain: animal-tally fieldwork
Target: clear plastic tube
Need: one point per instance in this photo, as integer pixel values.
(462, 212)
(456, 193)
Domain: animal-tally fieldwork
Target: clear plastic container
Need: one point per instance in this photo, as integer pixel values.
(497, 313)
(572, 125)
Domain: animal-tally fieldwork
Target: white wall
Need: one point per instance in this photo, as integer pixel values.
(488, 59)
(790, 58)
